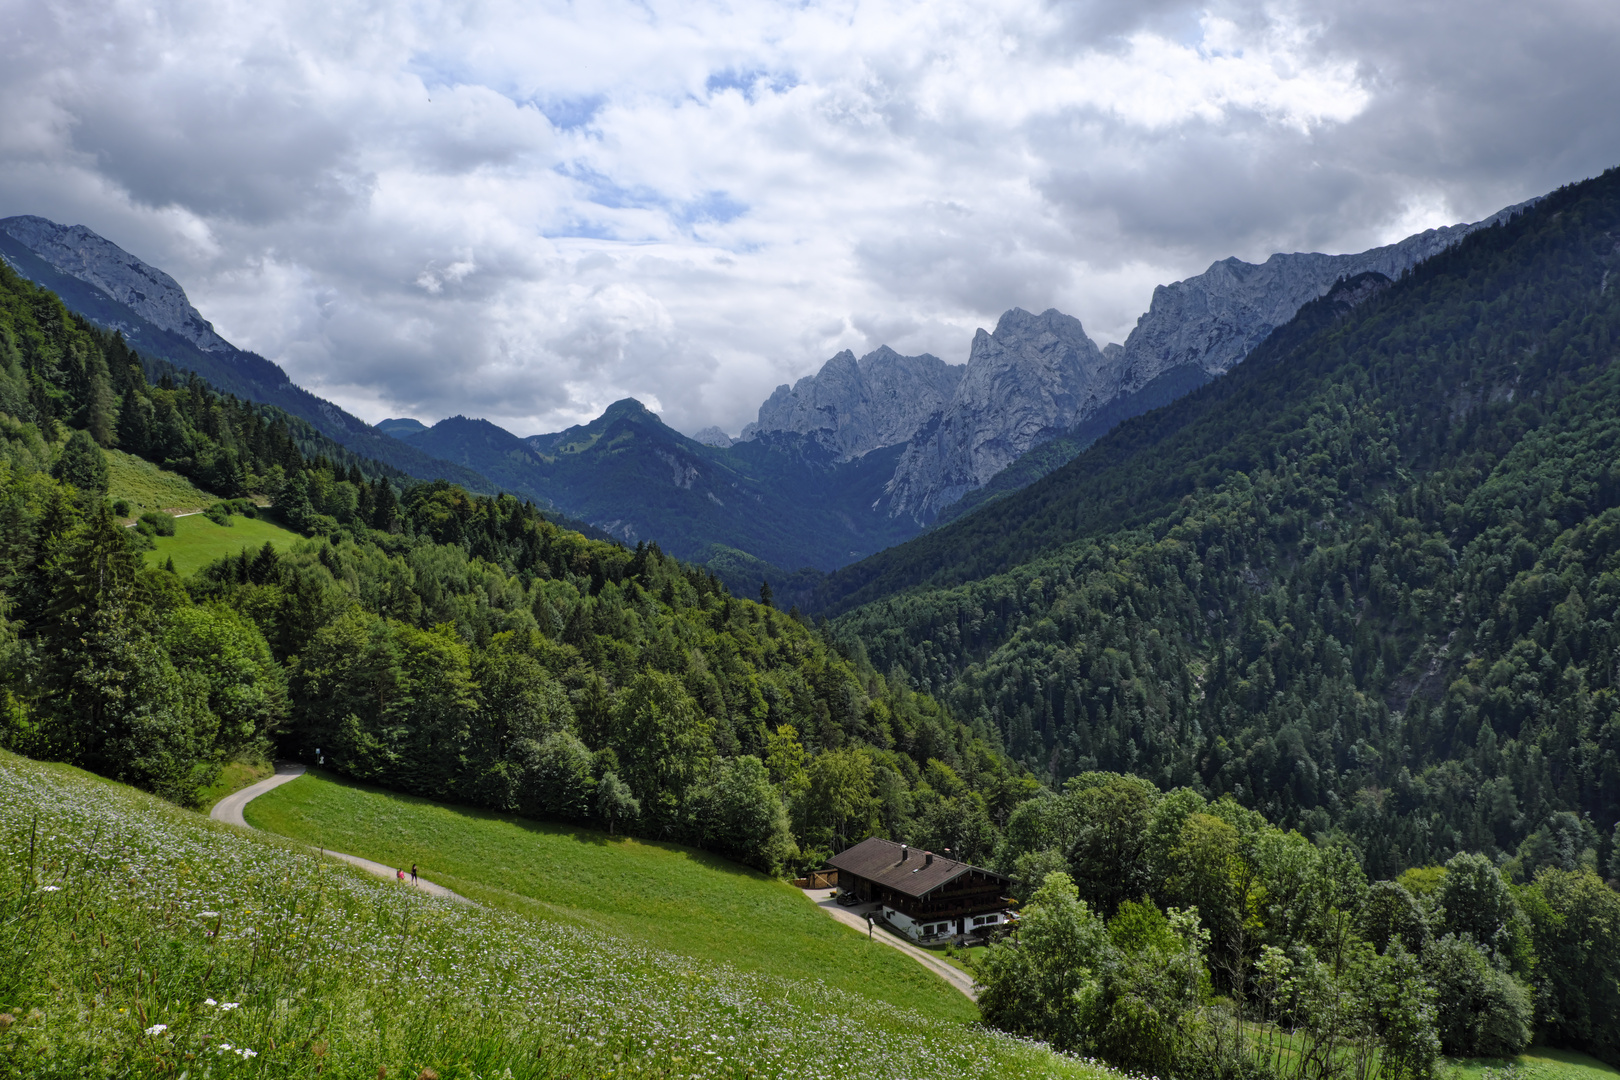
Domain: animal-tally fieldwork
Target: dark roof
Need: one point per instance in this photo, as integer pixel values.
(876, 859)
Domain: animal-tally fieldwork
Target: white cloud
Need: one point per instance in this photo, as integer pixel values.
(526, 210)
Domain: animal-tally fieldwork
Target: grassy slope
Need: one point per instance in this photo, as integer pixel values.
(235, 776)
(1538, 1063)
(662, 895)
(197, 541)
(148, 487)
(119, 911)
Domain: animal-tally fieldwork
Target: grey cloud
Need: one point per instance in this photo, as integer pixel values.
(396, 250)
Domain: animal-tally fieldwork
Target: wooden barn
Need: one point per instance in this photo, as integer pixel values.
(925, 896)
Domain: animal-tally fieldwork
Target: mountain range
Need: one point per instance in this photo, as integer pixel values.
(116, 290)
(864, 454)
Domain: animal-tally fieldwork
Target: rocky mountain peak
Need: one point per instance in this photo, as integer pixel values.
(149, 292)
(713, 436)
(1033, 378)
(1215, 319)
(855, 406)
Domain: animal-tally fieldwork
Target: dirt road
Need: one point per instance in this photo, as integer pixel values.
(856, 917)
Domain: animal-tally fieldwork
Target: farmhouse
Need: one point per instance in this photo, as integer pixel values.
(923, 895)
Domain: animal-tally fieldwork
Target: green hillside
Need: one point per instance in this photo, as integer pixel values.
(143, 941)
(1366, 582)
(149, 487)
(660, 895)
(198, 541)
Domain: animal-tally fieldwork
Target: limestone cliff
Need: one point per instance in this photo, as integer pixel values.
(855, 406)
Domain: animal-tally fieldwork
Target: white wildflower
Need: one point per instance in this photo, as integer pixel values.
(51, 888)
(229, 1005)
(209, 1001)
(157, 1029)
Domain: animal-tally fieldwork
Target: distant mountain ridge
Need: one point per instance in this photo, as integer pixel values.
(114, 289)
(782, 497)
(1040, 380)
(863, 454)
(1216, 319)
(853, 406)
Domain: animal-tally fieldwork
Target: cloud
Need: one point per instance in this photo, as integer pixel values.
(526, 210)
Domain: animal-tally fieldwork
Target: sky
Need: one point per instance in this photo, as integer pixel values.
(526, 211)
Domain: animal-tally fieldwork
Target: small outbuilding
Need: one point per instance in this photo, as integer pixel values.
(925, 896)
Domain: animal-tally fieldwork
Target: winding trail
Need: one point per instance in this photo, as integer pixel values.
(229, 810)
(856, 917)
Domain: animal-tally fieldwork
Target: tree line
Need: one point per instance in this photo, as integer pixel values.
(1173, 935)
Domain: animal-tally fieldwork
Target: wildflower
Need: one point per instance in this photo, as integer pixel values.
(244, 1053)
(157, 1029)
(51, 888)
(209, 1001)
(229, 1005)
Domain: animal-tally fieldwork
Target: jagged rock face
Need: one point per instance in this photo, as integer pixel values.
(1216, 319)
(148, 291)
(1032, 379)
(855, 406)
(713, 436)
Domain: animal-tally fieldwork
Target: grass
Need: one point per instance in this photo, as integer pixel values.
(146, 487)
(235, 776)
(661, 895)
(197, 541)
(963, 957)
(1536, 1063)
(140, 940)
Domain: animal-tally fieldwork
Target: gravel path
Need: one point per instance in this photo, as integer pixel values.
(229, 810)
(856, 917)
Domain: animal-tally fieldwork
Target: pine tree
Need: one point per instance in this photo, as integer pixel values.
(83, 465)
(134, 425)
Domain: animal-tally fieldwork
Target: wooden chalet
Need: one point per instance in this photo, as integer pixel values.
(923, 895)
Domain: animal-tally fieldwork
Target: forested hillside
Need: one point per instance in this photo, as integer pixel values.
(453, 645)
(1366, 582)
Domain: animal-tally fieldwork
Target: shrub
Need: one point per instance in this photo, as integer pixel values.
(153, 523)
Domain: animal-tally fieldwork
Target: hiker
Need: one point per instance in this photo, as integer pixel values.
(400, 874)
(413, 875)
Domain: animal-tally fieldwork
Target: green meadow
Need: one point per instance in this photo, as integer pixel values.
(141, 940)
(1536, 1063)
(197, 541)
(666, 896)
(146, 487)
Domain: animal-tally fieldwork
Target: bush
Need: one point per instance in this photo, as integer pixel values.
(153, 523)
(1482, 1012)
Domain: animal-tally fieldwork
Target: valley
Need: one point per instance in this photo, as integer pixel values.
(1282, 709)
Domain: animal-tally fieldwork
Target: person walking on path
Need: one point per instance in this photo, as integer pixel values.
(399, 875)
(413, 875)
